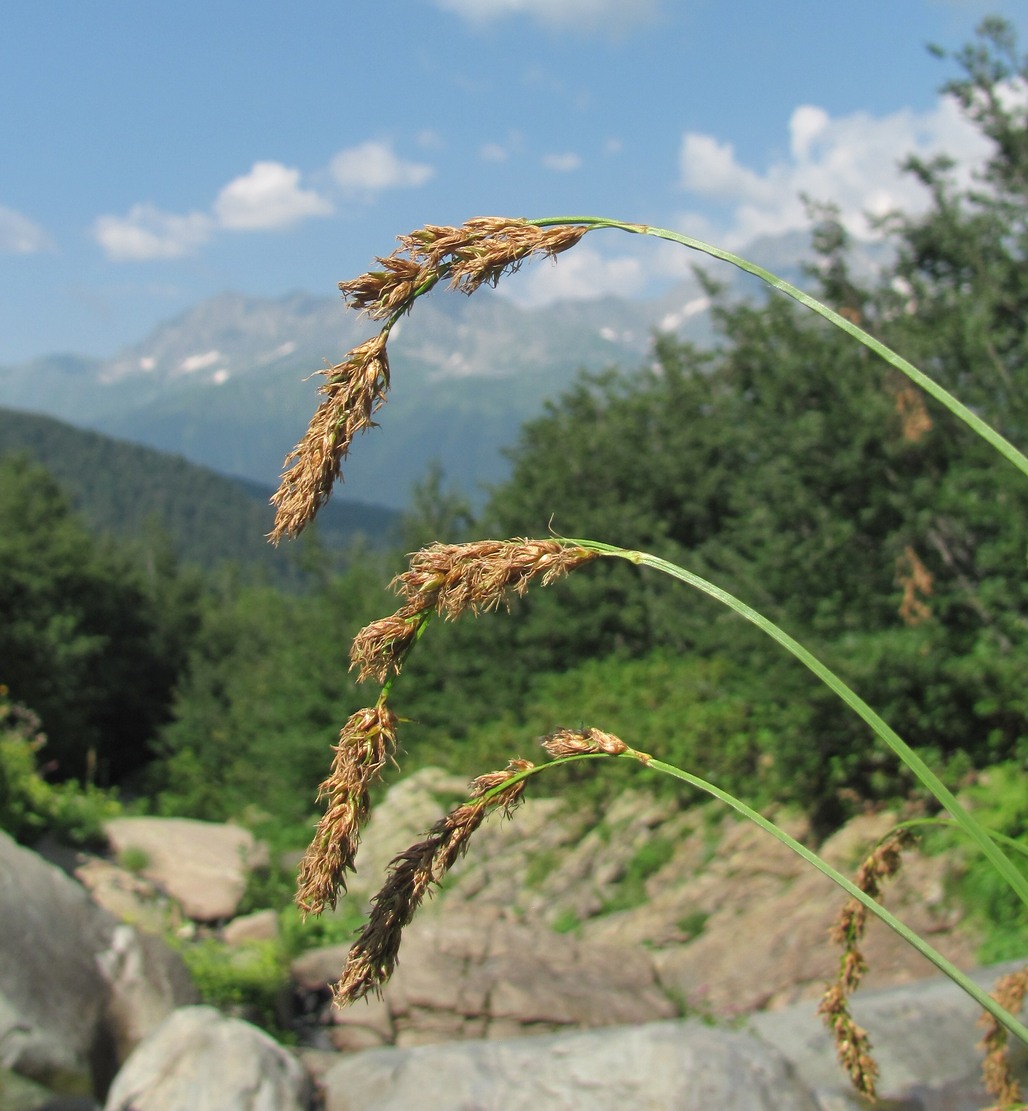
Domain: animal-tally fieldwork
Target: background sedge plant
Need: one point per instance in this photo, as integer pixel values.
(448, 581)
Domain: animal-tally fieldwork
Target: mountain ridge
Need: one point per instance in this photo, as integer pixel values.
(231, 383)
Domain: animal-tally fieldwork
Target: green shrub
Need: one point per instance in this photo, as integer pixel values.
(29, 805)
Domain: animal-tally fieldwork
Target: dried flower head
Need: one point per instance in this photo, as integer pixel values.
(366, 742)
(999, 1080)
(448, 579)
(354, 392)
(476, 253)
(578, 742)
(851, 1041)
(373, 957)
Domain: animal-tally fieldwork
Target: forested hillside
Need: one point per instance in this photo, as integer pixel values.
(784, 462)
(208, 520)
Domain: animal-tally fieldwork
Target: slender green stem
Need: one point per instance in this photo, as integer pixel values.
(982, 997)
(989, 434)
(931, 781)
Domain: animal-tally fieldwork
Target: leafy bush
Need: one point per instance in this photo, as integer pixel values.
(30, 805)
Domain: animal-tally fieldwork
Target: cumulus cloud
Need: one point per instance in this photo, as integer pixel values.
(373, 166)
(562, 163)
(269, 196)
(148, 233)
(578, 275)
(851, 161)
(19, 235)
(584, 15)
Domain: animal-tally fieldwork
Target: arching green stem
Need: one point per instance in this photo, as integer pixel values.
(989, 434)
(928, 778)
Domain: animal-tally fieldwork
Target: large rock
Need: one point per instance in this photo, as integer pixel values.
(683, 1065)
(476, 974)
(199, 1060)
(925, 1040)
(203, 866)
(77, 989)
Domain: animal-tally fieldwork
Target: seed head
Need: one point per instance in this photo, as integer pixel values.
(366, 742)
(354, 392)
(373, 957)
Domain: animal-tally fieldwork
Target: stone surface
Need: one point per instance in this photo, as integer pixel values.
(262, 925)
(198, 1060)
(687, 1066)
(77, 990)
(203, 866)
(128, 896)
(475, 974)
(924, 1038)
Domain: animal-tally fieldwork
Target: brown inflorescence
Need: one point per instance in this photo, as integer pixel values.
(354, 392)
(373, 957)
(478, 252)
(366, 743)
(582, 742)
(999, 1080)
(449, 579)
(851, 1041)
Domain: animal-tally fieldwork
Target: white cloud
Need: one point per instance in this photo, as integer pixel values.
(374, 165)
(851, 161)
(576, 275)
(493, 152)
(19, 235)
(269, 196)
(148, 233)
(584, 15)
(562, 163)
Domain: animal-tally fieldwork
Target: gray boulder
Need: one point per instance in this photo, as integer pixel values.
(203, 866)
(77, 989)
(476, 974)
(687, 1066)
(199, 1060)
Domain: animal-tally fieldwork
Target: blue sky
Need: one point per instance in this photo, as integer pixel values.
(156, 155)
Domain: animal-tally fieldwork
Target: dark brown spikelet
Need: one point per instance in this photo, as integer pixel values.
(366, 743)
(851, 1041)
(354, 392)
(448, 579)
(373, 957)
(999, 1080)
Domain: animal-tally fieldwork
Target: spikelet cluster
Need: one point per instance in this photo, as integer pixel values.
(366, 743)
(449, 579)
(852, 1043)
(476, 253)
(412, 874)
(1009, 992)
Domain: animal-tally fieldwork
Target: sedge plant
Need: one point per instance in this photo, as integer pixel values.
(447, 581)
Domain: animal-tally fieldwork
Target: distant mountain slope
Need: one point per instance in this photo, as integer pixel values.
(224, 383)
(123, 488)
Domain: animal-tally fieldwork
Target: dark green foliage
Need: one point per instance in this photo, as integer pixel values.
(999, 802)
(265, 694)
(149, 498)
(83, 640)
(30, 805)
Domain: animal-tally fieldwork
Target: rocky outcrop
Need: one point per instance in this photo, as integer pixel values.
(77, 989)
(725, 888)
(681, 1065)
(475, 974)
(203, 866)
(201, 1060)
(925, 1037)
